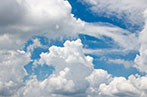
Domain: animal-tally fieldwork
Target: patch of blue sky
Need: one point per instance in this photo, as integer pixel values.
(129, 56)
(37, 51)
(91, 42)
(29, 67)
(44, 41)
(41, 71)
(101, 62)
(29, 70)
(115, 69)
(82, 11)
(44, 71)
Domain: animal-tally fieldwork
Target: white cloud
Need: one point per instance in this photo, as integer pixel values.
(95, 79)
(12, 71)
(119, 87)
(105, 51)
(126, 63)
(70, 56)
(69, 78)
(9, 42)
(124, 38)
(53, 19)
(135, 86)
(71, 53)
(52, 86)
(141, 60)
(50, 18)
(74, 76)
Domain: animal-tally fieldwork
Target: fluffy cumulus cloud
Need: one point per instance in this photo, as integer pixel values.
(135, 86)
(95, 79)
(74, 76)
(54, 86)
(71, 58)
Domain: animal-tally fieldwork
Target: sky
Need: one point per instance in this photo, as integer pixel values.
(73, 48)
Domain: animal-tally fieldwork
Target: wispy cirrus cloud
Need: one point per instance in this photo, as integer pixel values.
(129, 11)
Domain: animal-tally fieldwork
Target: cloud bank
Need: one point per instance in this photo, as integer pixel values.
(74, 76)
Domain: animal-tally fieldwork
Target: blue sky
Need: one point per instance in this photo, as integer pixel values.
(73, 48)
